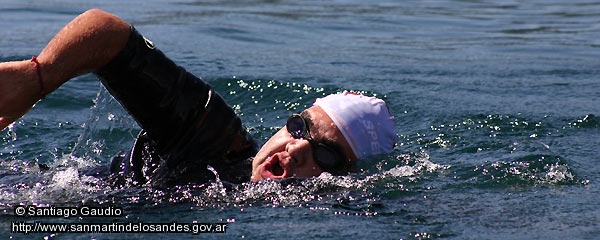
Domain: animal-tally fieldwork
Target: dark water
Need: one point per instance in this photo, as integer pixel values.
(497, 106)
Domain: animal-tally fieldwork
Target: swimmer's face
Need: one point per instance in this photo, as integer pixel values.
(284, 156)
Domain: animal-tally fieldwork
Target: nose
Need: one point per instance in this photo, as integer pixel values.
(299, 149)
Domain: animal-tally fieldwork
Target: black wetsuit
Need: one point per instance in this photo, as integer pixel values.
(186, 124)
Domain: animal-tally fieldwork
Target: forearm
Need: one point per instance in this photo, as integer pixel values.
(85, 44)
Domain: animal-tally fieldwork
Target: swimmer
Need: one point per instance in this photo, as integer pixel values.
(186, 125)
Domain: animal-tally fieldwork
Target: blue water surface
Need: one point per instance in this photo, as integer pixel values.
(497, 107)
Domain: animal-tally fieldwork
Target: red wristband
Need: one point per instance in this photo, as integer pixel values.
(39, 74)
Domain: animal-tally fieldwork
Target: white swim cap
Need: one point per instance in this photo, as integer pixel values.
(365, 122)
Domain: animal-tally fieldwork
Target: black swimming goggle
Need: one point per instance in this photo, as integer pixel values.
(327, 157)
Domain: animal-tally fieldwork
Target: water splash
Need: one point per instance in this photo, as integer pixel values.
(357, 191)
(108, 130)
(529, 170)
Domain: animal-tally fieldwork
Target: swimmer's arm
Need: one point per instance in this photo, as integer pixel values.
(85, 44)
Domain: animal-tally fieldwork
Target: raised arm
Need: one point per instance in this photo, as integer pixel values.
(84, 45)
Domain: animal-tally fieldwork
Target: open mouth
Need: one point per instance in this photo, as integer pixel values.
(273, 169)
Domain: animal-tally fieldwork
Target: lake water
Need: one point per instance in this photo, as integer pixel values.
(497, 106)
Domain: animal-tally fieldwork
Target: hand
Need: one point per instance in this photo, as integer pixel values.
(19, 90)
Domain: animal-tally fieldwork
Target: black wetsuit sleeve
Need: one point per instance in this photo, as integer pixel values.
(186, 124)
